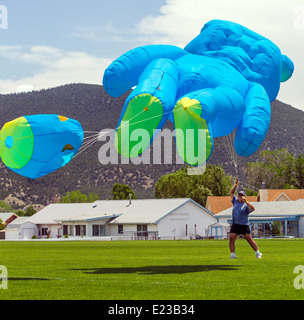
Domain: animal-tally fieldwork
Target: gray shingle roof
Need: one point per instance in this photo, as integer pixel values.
(272, 209)
(140, 211)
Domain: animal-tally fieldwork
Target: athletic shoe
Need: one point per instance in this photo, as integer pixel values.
(259, 255)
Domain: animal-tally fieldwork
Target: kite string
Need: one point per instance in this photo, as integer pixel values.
(87, 143)
(93, 138)
(96, 135)
(86, 147)
(90, 140)
(252, 187)
(228, 142)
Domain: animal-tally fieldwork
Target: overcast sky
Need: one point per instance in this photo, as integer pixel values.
(50, 43)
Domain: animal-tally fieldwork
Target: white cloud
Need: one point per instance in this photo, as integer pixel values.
(55, 67)
(180, 21)
(177, 23)
(24, 88)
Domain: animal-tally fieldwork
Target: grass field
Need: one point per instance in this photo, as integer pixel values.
(150, 270)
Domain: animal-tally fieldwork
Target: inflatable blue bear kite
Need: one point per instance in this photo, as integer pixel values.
(223, 79)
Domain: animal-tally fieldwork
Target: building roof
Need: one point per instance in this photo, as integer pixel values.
(271, 209)
(4, 216)
(149, 210)
(291, 194)
(139, 211)
(54, 212)
(101, 209)
(217, 204)
(18, 222)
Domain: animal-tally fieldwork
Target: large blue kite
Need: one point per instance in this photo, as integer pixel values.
(223, 79)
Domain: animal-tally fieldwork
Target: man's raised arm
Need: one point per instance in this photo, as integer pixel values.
(232, 191)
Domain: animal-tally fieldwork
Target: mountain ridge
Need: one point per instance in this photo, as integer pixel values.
(96, 110)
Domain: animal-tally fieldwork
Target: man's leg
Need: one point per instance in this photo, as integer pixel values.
(232, 238)
(253, 245)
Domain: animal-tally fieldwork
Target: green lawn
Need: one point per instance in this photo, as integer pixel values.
(150, 270)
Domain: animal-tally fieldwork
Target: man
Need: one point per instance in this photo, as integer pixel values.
(241, 209)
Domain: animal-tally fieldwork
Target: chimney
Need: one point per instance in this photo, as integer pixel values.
(130, 198)
(263, 193)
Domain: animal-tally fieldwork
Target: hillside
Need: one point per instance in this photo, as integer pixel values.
(96, 110)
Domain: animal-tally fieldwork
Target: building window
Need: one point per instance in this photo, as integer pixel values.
(95, 231)
(70, 230)
(292, 228)
(142, 227)
(98, 230)
(44, 231)
(120, 229)
(67, 229)
(142, 230)
(80, 230)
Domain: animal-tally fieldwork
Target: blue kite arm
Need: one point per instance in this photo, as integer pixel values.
(256, 120)
(124, 72)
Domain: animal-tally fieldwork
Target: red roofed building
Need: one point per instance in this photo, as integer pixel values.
(217, 204)
(280, 194)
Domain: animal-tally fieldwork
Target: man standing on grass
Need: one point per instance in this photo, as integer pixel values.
(241, 210)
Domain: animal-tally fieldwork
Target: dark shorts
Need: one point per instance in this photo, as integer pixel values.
(239, 229)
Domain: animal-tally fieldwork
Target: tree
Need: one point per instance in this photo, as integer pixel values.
(74, 197)
(5, 207)
(276, 228)
(173, 185)
(78, 197)
(29, 211)
(20, 213)
(214, 182)
(249, 192)
(200, 194)
(92, 197)
(276, 169)
(215, 179)
(299, 172)
(122, 192)
(2, 225)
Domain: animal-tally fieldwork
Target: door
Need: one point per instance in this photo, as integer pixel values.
(28, 233)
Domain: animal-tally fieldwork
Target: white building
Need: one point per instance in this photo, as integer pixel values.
(122, 219)
(20, 228)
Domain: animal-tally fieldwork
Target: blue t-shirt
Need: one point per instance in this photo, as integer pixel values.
(240, 212)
